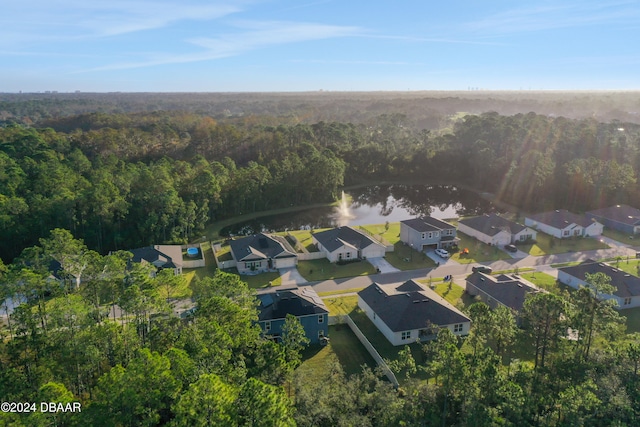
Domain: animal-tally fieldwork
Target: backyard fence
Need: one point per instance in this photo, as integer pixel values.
(372, 351)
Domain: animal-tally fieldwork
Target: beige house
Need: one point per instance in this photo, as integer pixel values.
(262, 252)
(346, 243)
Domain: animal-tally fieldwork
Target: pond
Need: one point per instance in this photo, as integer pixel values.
(375, 204)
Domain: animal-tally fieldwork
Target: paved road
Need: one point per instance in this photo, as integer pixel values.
(540, 263)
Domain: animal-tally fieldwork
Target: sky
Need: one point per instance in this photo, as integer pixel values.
(311, 45)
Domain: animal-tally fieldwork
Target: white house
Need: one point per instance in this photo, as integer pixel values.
(407, 312)
(495, 230)
(346, 243)
(562, 224)
(627, 286)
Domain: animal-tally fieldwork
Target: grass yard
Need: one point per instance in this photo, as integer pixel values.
(404, 258)
(478, 251)
(390, 234)
(341, 305)
(262, 280)
(304, 238)
(343, 348)
(547, 245)
(321, 269)
(544, 281)
(339, 292)
(619, 236)
(633, 319)
(629, 266)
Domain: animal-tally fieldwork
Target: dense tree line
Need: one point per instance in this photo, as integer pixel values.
(127, 180)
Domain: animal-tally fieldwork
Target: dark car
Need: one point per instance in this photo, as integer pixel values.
(511, 248)
(482, 269)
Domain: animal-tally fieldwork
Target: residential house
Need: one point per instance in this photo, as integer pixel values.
(304, 303)
(346, 243)
(562, 224)
(161, 256)
(407, 312)
(495, 230)
(427, 232)
(262, 252)
(506, 290)
(627, 286)
(619, 217)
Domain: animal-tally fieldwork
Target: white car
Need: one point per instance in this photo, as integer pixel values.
(443, 253)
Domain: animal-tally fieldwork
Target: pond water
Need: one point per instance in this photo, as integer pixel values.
(375, 205)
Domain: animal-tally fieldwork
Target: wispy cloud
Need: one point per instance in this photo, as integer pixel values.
(553, 16)
(254, 35)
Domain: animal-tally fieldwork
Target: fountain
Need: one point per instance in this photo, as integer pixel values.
(344, 214)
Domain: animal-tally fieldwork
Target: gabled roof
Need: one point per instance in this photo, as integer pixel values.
(626, 284)
(619, 213)
(343, 236)
(408, 306)
(277, 303)
(492, 224)
(561, 218)
(507, 290)
(166, 256)
(260, 246)
(427, 223)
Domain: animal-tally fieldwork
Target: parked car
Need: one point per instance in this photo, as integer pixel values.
(482, 269)
(511, 248)
(442, 252)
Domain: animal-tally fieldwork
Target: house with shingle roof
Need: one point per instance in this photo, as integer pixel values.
(619, 217)
(262, 252)
(507, 290)
(303, 303)
(563, 224)
(160, 256)
(428, 233)
(407, 312)
(627, 286)
(495, 230)
(346, 243)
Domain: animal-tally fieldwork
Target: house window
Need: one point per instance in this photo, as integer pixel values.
(348, 254)
(430, 235)
(406, 335)
(267, 326)
(627, 301)
(457, 327)
(320, 334)
(565, 233)
(424, 236)
(321, 318)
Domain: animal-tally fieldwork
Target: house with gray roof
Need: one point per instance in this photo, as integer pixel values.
(495, 230)
(507, 290)
(160, 256)
(303, 303)
(619, 217)
(563, 224)
(346, 243)
(407, 312)
(627, 286)
(428, 233)
(262, 252)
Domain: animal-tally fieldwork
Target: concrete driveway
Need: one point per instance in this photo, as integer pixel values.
(382, 265)
(291, 275)
(439, 260)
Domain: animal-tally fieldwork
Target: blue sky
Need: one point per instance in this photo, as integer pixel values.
(342, 45)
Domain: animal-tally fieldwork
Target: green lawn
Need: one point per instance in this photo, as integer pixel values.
(224, 254)
(628, 266)
(478, 251)
(262, 280)
(391, 233)
(619, 236)
(339, 292)
(304, 238)
(322, 269)
(341, 305)
(547, 245)
(544, 281)
(208, 270)
(343, 347)
(404, 257)
(633, 319)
